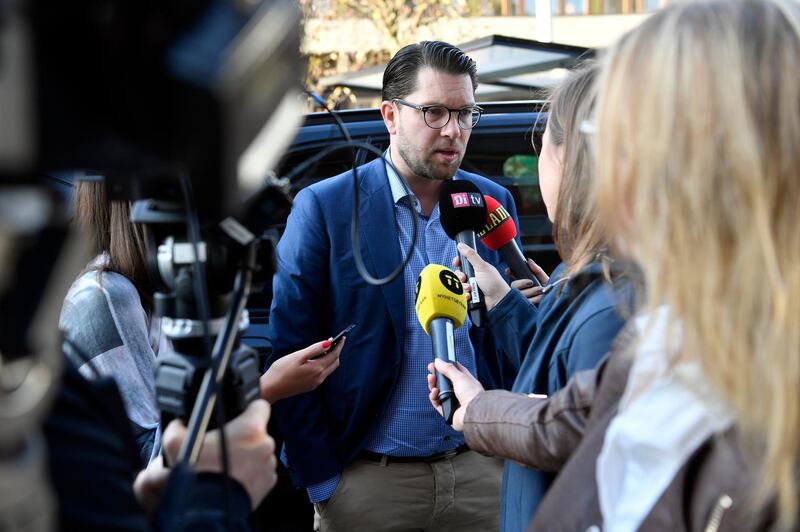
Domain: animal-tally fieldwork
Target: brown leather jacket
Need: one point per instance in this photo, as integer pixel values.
(564, 433)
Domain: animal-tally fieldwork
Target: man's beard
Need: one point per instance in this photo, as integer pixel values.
(419, 166)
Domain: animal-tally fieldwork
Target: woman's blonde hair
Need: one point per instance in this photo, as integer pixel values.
(578, 237)
(698, 142)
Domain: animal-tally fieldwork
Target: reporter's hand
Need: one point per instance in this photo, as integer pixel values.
(465, 386)
(149, 483)
(298, 373)
(489, 279)
(528, 288)
(251, 450)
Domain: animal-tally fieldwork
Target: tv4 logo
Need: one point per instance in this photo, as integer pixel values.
(466, 199)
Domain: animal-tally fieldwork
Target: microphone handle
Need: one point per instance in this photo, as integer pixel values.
(476, 304)
(516, 261)
(444, 349)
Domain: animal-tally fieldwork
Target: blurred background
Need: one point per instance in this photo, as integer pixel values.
(343, 37)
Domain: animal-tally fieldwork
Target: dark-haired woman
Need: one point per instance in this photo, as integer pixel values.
(107, 318)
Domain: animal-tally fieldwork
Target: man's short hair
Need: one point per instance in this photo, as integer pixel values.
(400, 76)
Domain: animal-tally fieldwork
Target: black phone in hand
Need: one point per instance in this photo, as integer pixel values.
(339, 336)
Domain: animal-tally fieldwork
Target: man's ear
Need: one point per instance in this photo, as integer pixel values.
(389, 115)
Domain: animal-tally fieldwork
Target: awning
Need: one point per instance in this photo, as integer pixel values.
(509, 68)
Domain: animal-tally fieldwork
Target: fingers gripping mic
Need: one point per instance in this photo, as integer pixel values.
(463, 213)
(441, 308)
(498, 235)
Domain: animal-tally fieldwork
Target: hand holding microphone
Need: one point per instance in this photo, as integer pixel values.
(492, 285)
(465, 386)
(529, 289)
(441, 308)
(462, 210)
(499, 234)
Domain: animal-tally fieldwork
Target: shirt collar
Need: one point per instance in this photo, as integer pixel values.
(396, 183)
(400, 189)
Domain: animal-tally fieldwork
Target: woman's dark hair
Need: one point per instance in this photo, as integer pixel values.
(400, 76)
(113, 234)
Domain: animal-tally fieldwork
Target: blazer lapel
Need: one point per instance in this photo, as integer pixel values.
(378, 233)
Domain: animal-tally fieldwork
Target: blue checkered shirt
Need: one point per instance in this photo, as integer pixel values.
(409, 426)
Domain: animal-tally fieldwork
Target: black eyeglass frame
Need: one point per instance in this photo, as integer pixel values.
(425, 108)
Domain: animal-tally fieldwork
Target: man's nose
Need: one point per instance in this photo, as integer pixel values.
(451, 129)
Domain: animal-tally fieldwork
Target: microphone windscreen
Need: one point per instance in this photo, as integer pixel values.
(461, 207)
(439, 294)
(499, 228)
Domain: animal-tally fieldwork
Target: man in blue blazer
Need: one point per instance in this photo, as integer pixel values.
(367, 446)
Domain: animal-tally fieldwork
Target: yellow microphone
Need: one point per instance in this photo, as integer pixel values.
(441, 308)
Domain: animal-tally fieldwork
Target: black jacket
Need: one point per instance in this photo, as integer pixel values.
(93, 461)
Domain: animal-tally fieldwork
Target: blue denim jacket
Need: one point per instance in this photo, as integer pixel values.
(570, 330)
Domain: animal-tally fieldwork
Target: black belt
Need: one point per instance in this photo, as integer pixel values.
(385, 458)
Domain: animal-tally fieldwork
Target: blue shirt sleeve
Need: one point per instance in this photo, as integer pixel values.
(323, 491)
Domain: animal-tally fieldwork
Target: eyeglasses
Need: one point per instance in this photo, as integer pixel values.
(438, 116)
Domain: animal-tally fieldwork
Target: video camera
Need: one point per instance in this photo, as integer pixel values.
(184, 108)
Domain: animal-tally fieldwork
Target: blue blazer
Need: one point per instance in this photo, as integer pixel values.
(570, 330)
(317, 291)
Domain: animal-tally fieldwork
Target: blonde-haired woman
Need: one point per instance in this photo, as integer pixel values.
(695, 425)
(699, 173)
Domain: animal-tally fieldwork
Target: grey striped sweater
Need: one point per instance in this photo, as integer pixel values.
(104, 319)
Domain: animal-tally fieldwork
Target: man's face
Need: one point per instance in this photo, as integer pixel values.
(430, 153)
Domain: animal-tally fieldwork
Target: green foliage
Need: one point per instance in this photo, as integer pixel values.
(522, 168)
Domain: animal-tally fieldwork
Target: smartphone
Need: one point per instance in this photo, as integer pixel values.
(335, 339)
(338, 337)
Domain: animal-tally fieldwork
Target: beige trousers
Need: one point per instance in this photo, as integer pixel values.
(461, 493)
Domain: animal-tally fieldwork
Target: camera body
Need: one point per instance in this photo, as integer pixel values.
(183, 107)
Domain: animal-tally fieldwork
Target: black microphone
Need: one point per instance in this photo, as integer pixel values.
(462, 210)
(498, 235)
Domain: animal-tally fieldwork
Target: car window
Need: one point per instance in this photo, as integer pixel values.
(509, 159)
(523, 172)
